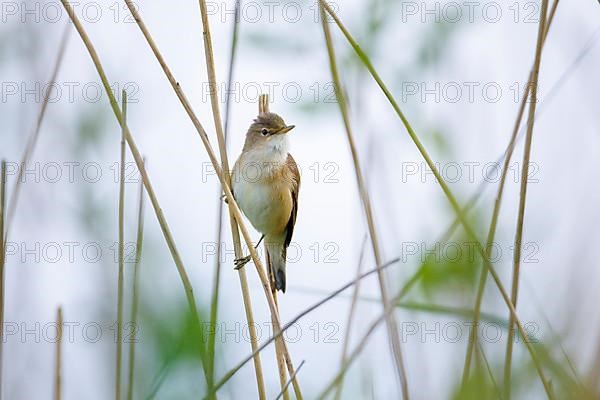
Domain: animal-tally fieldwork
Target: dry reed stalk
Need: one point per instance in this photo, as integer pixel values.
(279, 354)
(119, 360)
(214, 100)
(2, 260)
(226, 187)
(58, 356)
(290, 380)
(135, 292)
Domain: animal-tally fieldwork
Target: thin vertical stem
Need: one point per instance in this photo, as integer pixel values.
(496, 212)
(523, 198)
(58, 356)
(119, 360)
(135, 292)
(2, 261)
(214, 98)
(278, 353)
(217, 274)
(391, 323)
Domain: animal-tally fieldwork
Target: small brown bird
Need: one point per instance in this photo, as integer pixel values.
(266, 182)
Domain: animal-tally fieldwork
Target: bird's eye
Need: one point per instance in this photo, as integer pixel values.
(264, 131)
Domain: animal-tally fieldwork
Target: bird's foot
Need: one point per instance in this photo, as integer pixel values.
(240, 262)
(224, 198)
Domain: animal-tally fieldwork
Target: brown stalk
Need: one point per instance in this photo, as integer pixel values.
(214, 100)
(135, 290)
(119, 358)
(226, 187)
(287, 384)
(58, 356)
(279, 353)
(2, 260)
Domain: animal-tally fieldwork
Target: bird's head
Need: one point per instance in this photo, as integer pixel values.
(268, 129)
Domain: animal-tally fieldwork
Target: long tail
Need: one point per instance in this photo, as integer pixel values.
(276, 254)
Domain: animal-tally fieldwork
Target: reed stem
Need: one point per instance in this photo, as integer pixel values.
(135, 291)
(496, 212)
(58, 356)
(119, 360)
(2, 261)
(221, 139)
(393, 335)
(523, 198)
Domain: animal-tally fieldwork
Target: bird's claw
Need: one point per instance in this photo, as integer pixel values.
(240, 262)
(224, 198)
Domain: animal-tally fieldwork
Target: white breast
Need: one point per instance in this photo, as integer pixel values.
(253, 189)
(254, 200)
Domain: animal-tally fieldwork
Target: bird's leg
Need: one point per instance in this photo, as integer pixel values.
(259, 240)
(240, 262)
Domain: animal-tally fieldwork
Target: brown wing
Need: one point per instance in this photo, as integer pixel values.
(294, 176)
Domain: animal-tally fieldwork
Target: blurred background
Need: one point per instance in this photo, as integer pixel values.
(458, 71)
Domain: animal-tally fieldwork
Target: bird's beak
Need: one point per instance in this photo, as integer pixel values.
(287, 129)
